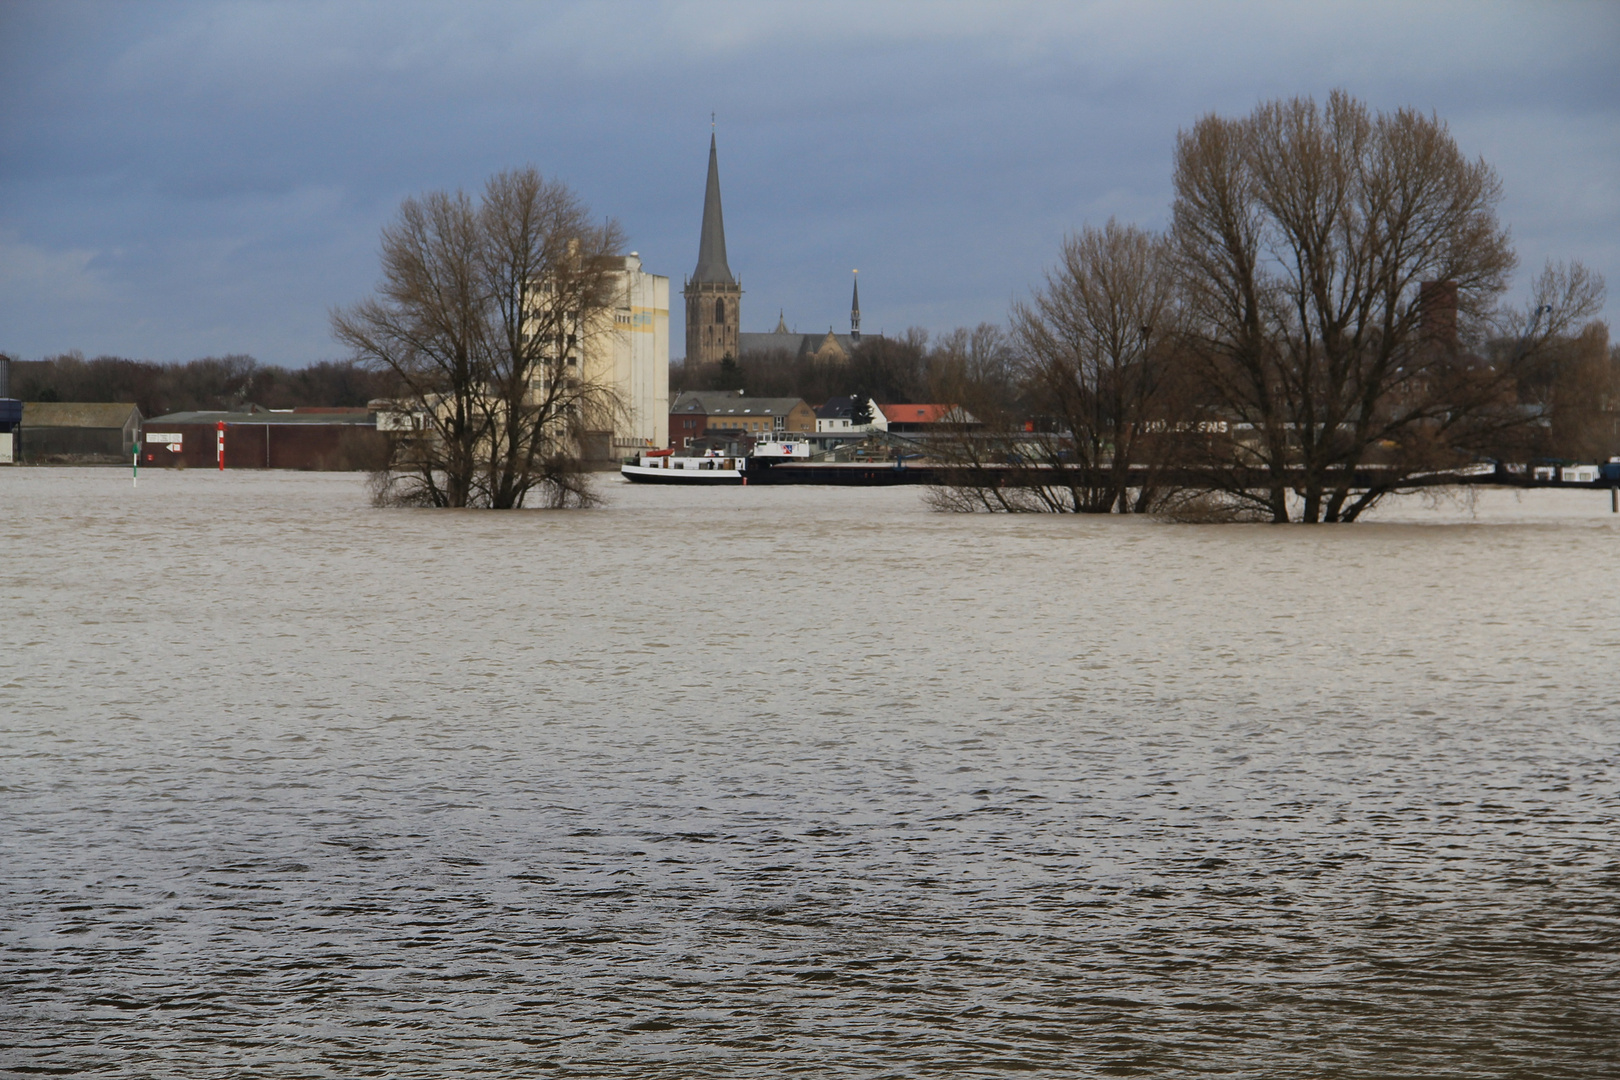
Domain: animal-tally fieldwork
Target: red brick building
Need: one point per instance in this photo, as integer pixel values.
(697, 413)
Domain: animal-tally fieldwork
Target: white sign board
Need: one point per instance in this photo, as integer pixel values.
(173, 438)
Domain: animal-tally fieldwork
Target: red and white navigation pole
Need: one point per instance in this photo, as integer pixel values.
(219, 444)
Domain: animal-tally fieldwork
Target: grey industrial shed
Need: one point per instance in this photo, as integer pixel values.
(70, 431)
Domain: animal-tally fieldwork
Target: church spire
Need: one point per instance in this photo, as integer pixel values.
(855, 310)
(713, 296)
(711, 264)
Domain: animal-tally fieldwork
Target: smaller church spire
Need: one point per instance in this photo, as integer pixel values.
(855, 310)
(781, 321)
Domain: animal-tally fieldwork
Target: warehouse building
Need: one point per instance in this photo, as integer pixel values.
(77, 432)
(326, 440)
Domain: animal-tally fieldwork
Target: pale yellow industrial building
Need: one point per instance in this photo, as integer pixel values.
(634, 361)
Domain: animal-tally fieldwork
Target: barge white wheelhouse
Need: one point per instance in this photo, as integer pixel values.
(663, 467)
(714, 467)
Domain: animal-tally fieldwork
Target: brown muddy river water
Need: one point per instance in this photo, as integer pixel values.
(785, 781)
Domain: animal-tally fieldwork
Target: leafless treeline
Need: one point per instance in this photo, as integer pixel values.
(1314, 331)
(910, 367)
(215, 382)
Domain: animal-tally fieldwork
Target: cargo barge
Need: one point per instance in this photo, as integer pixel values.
(769, 463)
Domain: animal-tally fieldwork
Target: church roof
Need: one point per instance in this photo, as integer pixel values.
(783, 340)
(711, 264)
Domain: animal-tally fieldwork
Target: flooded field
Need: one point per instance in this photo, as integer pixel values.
(786, 781)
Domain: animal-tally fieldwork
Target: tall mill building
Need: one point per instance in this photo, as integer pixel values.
(713, 295)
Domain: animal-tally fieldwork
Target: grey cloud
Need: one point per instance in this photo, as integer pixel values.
(228, 165)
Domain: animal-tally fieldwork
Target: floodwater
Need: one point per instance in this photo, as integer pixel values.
(786, 781)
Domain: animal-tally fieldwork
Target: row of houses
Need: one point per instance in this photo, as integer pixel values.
(358, 438)
(697, 415)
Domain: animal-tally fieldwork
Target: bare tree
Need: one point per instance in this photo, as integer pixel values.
(483, 315)
(1584, 393)
(1098, 349)
(887, 369)
(1568, 378)
(1306, 235)
(1098, 341)
(976, 365)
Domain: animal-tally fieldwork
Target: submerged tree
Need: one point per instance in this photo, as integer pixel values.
(1097, 346)
(1322, 327)
(483, 315)
(1099, 340)
(1337, 265)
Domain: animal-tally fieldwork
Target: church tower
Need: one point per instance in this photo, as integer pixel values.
(713, 296)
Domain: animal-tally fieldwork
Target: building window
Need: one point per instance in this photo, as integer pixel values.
(720, 311)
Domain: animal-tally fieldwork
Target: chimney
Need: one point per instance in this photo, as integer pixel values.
(1437, 314)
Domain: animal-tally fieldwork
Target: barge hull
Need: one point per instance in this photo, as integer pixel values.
(851, 474)
(683, 477)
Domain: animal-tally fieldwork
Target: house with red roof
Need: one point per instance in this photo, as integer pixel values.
(913, 419)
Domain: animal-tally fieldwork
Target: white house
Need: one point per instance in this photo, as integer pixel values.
(835, 418)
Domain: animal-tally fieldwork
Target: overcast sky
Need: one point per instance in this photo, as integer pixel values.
(181, 180)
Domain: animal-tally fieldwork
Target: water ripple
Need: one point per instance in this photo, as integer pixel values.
(290, 787)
